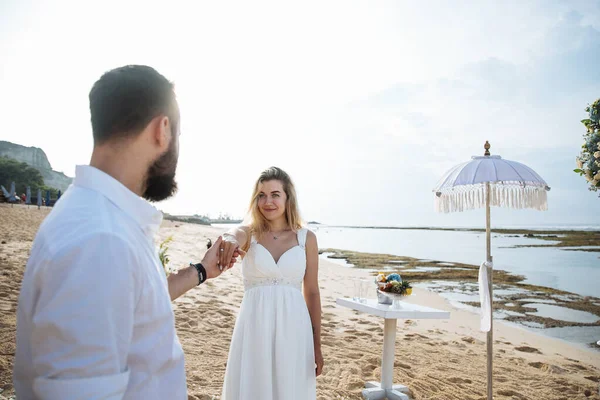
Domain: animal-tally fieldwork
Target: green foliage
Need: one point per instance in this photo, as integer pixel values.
(162, 254)
(53, 192)
(588, 161)
(401, 288)
(19, 172)
(22, 175)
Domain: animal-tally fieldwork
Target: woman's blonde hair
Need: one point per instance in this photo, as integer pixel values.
(258, 223)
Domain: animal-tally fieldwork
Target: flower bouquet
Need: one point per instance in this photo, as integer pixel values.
(588, 162)
(391, 288)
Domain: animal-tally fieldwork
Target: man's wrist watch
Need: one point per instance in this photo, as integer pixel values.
(201, 272)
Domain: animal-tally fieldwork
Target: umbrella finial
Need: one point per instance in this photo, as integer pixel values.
(487, 148)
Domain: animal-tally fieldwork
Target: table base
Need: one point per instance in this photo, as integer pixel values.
(374, 391)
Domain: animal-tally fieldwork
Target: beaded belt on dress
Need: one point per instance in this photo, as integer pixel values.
(252, 283)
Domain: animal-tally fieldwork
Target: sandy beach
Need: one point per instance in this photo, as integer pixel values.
(436, 359)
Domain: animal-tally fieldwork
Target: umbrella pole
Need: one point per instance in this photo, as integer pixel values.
(490, 333)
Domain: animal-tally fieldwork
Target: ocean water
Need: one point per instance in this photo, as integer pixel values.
(572, 271)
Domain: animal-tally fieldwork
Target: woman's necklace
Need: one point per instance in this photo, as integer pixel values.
(278, 235)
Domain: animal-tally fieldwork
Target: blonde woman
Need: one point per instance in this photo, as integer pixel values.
(275, 350)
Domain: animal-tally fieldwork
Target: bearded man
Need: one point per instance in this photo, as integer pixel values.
(94, 319)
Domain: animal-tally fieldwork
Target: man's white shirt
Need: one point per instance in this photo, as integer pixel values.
(94, 319)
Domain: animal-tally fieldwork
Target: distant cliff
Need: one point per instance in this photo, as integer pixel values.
(36, 158)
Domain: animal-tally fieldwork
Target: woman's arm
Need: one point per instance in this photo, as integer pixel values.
(240, 233)
(312, 296)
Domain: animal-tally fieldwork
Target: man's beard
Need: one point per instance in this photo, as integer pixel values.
(160, 180)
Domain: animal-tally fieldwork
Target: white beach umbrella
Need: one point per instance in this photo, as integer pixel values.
(483, 182)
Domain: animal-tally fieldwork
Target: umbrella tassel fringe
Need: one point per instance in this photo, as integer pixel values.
(516, 197)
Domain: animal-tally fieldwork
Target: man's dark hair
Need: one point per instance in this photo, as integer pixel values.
(124, 101)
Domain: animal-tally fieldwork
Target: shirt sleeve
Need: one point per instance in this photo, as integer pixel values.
(82, 322)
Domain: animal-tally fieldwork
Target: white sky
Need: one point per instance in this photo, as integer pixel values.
(365, 104)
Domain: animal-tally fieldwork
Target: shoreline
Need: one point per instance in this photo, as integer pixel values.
(514, 301)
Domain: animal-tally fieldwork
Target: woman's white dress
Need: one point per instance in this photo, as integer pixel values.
(272, 355)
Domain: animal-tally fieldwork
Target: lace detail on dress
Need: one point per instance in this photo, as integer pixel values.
(252, 283)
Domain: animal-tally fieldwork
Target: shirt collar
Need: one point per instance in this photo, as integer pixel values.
(146, 215)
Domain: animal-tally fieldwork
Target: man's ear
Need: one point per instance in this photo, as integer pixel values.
(162, 132)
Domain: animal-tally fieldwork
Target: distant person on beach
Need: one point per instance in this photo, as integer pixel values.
(94, 319)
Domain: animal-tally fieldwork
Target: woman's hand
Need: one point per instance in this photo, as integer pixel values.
(319, 360)
(229, 251)
(212, 259)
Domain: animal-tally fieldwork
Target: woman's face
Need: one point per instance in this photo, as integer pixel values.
(271, 200)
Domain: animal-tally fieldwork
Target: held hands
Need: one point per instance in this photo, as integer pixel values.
(214, 260)
(229, 250)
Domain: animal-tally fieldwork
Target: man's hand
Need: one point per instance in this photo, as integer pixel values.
(211, 260)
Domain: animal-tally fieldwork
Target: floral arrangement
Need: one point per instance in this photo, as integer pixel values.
(393, 283)
(588, 162)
